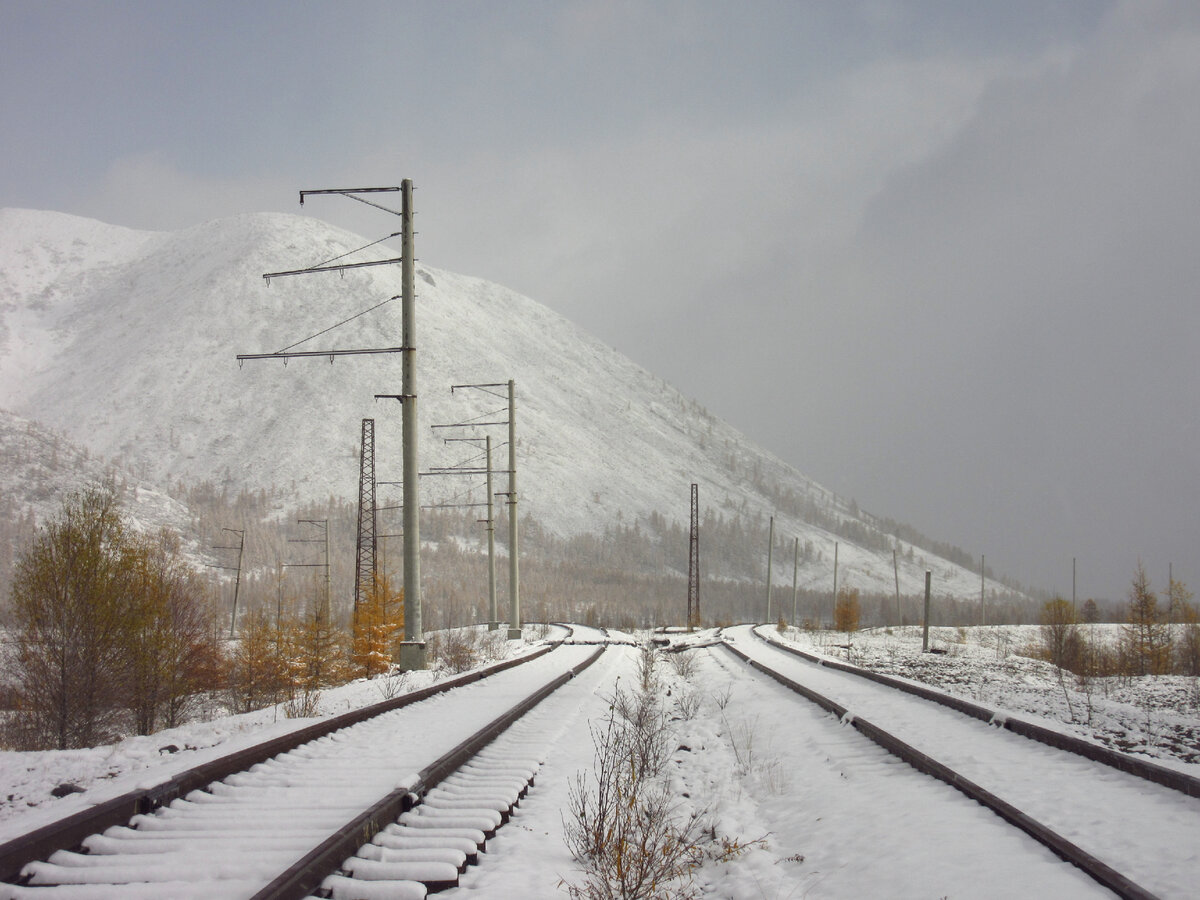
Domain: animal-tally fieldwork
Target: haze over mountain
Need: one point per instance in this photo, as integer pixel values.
(126, 341)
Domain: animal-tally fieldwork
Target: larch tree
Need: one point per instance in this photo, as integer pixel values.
(1145, 638)
(380, 619)
(847, 610)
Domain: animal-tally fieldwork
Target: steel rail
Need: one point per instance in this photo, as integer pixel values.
(1095, 868)
(70, 831)
(1131, 765)
(305, 876)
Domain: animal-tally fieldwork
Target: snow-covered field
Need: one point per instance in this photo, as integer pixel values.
(810, 808)
(1158, 716)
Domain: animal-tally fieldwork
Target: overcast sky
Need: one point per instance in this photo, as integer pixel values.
(944, 257)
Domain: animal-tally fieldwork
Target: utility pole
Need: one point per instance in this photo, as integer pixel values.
(835, 568)
(693, 609)
(323, 611)
(237, 583)
(489, 522)
(925, 626)
(770, 550)
(493, 616)
(795, 577)
(514, 584)
(412, 649)
(982, 582)
(896, 574)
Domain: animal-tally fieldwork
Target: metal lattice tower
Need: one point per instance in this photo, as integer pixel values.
(365, 562)
(693, 615)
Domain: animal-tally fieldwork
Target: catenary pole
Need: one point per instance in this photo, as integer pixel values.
(770, 549)
(412, 651)
(493, 622)
(795, 577)
(514, 582)
(925, 626)
(896, 575)
(835, 568)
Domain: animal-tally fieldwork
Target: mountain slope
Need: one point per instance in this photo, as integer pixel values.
(126, 341)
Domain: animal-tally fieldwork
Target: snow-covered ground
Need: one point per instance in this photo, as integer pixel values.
(811, 808)
(1158, 716)
(27, 778)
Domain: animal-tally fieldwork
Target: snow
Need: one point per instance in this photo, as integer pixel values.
(28, 777)
(810, 806)
(158, 319)
(1155, 716)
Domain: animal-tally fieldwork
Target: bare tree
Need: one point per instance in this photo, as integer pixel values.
(1060, 634)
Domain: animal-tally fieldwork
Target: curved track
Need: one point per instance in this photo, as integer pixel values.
(1111, 823)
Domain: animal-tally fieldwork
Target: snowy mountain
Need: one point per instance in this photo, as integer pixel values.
(126, 342)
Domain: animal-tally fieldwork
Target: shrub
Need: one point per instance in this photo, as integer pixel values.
(1061, 643)
(623, 827)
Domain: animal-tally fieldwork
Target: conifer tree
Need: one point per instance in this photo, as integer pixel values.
(380, 620)
(1145, 639)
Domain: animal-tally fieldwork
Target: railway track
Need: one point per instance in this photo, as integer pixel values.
(1099, 815)
(408, 781)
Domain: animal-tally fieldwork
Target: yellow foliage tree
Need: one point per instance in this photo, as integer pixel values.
(258, 668)
(379, 621)
(847, 610)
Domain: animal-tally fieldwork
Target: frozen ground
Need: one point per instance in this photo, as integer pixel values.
(1158, 716)
(809, 807)
(27, 778)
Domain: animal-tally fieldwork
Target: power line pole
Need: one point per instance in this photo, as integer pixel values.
(770, 550)
(835, 568)
(514, 583)
(925, 621)
(412, 649)
(795, 577)
(324, 610)
(982, 583)
(237, 582)
(896, 574)
(493, 616)
(693, 609)
(490, 521)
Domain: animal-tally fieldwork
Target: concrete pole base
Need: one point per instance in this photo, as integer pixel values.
(493, 626)
(514, 634)
(412, 656)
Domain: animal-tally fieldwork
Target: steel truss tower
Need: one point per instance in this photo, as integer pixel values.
(365, 560)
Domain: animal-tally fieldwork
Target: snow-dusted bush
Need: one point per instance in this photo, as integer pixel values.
(623, 825)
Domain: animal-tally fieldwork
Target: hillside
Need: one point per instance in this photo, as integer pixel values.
(126, 341)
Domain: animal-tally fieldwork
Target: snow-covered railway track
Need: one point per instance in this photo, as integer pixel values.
(283, 824)
(1110, 823)
(1142, 768)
